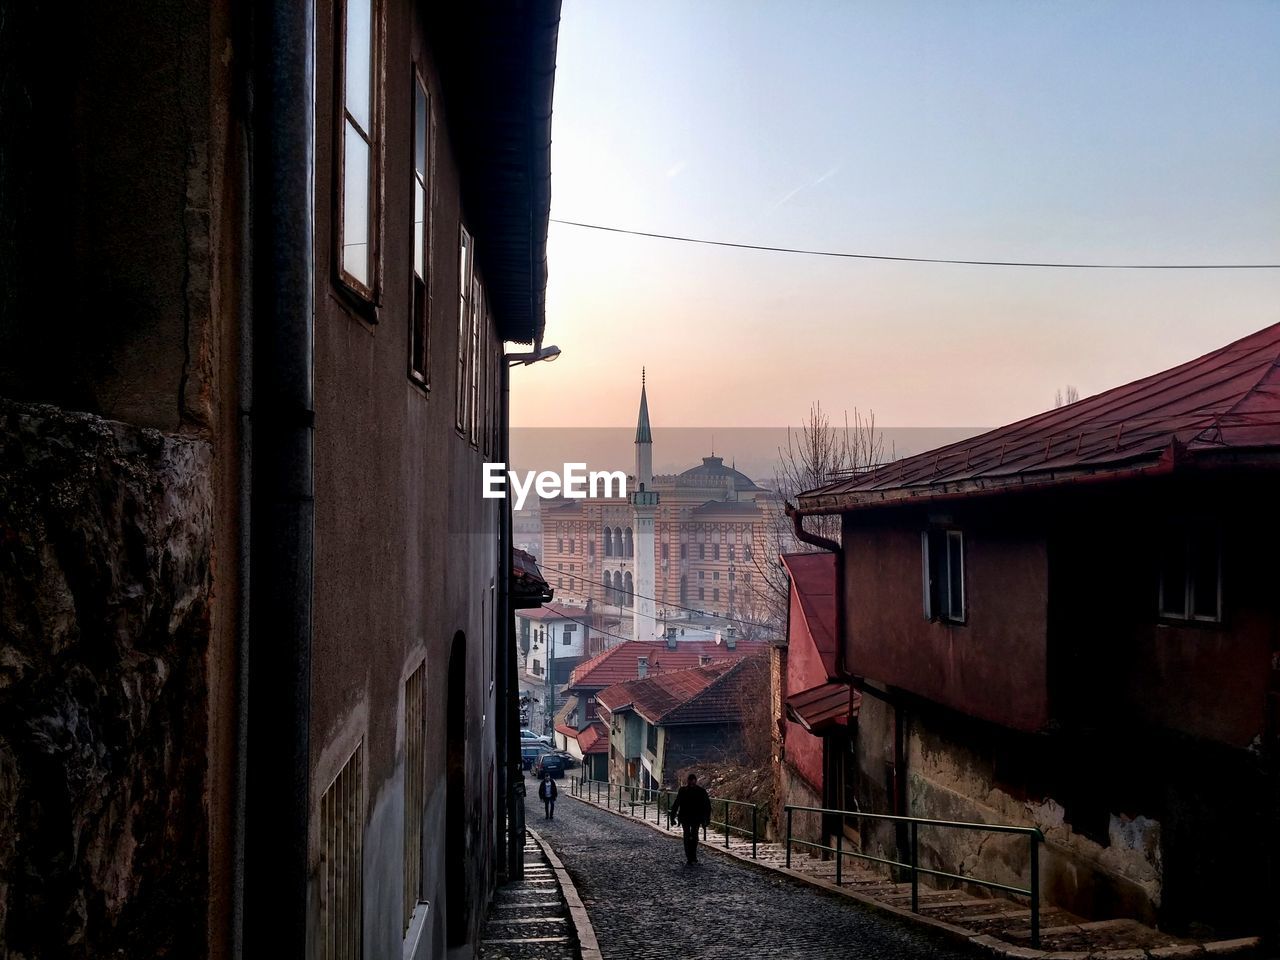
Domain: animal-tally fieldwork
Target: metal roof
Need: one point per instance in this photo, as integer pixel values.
(703, 694)
(826, 705)
(1225, 402)
(620, 663)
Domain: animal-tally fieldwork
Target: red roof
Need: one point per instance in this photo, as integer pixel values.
(593, 738)
(826, 705)
(813, 578)
(1222, 403)
(705, 694)
(621, 663)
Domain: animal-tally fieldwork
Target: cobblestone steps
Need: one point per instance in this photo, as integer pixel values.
(998, 925)
(529, 919)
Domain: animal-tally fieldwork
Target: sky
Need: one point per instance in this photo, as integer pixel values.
(1103, 132)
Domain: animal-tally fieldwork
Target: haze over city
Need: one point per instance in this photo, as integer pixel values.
(1134, 133)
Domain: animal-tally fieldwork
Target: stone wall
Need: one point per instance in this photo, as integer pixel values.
(105, 550)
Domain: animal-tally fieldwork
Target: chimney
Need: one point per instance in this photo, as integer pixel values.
(671, 638)
(731, 637)
(642, 666)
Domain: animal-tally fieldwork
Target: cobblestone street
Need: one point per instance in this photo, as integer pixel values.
(645, 903)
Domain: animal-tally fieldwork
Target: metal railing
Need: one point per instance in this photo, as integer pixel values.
(630, 796)
(1033, 835)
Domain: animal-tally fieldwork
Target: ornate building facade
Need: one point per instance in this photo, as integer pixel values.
(708, 523)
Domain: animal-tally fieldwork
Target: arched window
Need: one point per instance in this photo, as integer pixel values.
(629, 544)
(684, 589)
(628, 587)
(608, 542)
(617, 542)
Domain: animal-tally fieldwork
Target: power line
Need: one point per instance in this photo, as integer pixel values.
(880, 256)
(668, 603)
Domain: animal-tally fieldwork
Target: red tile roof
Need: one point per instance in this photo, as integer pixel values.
(593, 738)
(1225, 402)
(826, 705)
(705, 694)
(813, 578)
(619, 663)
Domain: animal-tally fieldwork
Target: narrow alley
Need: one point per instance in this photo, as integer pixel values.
(645, 903)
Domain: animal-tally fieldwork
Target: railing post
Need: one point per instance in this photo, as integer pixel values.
(754, 811)
(726, 824)
(789, 812)
(1035, 890)
(915, 863)
(840, 853)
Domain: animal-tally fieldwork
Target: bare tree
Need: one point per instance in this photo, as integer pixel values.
(1060, 399)
(817, 453)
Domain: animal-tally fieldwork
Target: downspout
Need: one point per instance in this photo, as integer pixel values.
(825, 543)
(278, 794)
(512, 786)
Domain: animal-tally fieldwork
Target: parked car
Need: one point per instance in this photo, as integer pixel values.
(570, 761)
(551, 763)
(530, 750)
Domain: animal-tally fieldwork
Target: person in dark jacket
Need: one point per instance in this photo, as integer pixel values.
(547, 793)
(692, 810)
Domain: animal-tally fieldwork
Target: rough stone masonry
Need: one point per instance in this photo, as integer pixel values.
(105, 549)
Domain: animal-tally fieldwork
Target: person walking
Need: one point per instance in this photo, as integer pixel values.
(692, 810)
(547, 792)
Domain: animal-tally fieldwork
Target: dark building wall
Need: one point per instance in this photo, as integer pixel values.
(687, 745)
(120, 269)
(992, 666)
(1152, 768)
(406, 548)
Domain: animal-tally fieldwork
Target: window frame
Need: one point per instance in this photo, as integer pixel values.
(365, 297)
(937, 576)
(1186, 541)
(466, 268)
(424, 186)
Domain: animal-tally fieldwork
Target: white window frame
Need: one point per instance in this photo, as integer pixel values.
(948, 613)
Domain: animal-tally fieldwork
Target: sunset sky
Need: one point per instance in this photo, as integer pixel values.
(1104, 132)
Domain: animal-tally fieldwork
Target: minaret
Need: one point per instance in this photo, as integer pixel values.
(644, 503)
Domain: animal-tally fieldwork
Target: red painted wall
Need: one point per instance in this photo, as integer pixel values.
(804, 670)
(994, 665)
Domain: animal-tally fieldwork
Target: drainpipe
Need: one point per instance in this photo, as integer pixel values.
(277, 798)
(511, 785)
(824, 543)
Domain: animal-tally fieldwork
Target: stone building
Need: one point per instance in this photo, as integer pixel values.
(709, 523)
(1072, 622)
(258, 262)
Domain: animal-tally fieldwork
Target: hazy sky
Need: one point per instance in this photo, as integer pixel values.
(1145, 132)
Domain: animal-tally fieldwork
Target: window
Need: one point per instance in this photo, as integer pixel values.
(357, 197)
(943, 556)
(702, 574)
(473, 359)
(1191, 577)
(464, 319)
(746, 551)
(715, 595)
(651, 738)
(684, 551)
(420, 311)
(715, 552)
(702, 593)
(415, 787)
(715, 575)
(702, 551)
(566, 634)
(559, 545)
(731, 556)
(341, 862)
(666, 551)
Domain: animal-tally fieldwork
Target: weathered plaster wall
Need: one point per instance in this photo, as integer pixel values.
(992, 666)
(105, 550)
